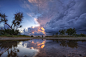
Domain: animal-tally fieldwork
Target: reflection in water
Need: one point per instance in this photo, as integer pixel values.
(19, 51)
(35, 44)
(5, 45)
(63, 43)
(43, 48)
(12, 52)
(70, 43)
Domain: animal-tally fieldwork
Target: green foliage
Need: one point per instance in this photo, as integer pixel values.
(71, 31)
(82, 35)
(48, 36)
(1, 32)
(3, 18)
(38, 36)
(15, 23)
(9, 32)
(62, 32)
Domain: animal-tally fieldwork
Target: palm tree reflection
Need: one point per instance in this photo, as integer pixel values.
(6, 45)
(12, 52)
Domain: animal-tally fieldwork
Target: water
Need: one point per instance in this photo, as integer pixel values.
(43, 48)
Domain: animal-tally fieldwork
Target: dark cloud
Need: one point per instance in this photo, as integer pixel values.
(55, 15)
(73, 17)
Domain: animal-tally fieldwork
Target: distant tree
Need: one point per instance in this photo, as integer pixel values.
(62, 32)
(57, 34)
(38, 36)
(17, 21)
(82, 35)
(71, 31)
(32, 36)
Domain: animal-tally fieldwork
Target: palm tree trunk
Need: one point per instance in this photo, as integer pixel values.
(8, 25)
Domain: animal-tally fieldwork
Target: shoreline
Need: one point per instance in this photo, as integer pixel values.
(29, 38)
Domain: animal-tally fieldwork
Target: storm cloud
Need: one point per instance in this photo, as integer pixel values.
(54, 15)
(73, 17)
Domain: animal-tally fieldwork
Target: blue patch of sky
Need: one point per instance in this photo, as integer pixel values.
(10, 7)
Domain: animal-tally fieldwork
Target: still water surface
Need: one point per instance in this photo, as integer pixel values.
(43, 48)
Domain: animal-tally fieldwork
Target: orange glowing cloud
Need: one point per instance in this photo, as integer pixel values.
(42, 46)
(39, 29)
(32, 41)
(33, 32)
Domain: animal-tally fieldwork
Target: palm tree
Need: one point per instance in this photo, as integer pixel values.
(4, 19)
(0, 17)
(17, 20)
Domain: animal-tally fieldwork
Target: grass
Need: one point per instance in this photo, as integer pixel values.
(67, 36)
(14, 36)
(59, 36)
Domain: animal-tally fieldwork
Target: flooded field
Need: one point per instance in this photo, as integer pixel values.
(43, 48)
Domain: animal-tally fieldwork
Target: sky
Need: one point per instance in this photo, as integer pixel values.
(46, 17)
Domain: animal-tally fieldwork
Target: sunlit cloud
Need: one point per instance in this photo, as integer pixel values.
(32, 1)
(54, 15)
(35, 19)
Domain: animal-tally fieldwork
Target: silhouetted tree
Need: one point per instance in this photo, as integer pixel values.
(15, 23)
(32, 36)
(17, 20)
(82, 35)
(62, 32)
(0, 17)
(71, 31)
(4, 19)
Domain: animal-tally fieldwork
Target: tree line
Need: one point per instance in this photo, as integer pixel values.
(70, 32)
(13, 28)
